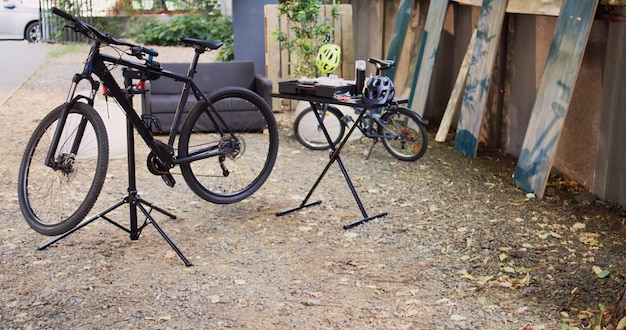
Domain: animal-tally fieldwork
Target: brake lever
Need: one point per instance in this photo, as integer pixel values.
(136, 52)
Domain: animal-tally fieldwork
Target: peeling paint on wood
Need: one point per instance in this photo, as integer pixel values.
(535, 7)
(554, 95)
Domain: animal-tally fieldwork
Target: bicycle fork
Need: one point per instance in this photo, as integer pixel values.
(65, 161)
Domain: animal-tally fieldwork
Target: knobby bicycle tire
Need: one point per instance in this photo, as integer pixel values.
(231, 177)
(54, 199)
(406, 137)
(308, 131)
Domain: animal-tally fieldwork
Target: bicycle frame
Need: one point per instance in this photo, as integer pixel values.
(368, 130)
(96, 64)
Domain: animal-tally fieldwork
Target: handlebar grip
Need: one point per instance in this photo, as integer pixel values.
(63, 14)
(150, 51)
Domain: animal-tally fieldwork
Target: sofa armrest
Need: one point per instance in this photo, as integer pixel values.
(263, 87)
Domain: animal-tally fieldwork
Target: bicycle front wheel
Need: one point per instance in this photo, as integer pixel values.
(406, 137)
(56, 194)
(308, 131)
(230, 166)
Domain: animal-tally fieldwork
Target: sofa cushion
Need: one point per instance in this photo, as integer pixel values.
(209, 76)
(162, 95)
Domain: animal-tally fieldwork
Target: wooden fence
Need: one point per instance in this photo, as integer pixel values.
(277, 61)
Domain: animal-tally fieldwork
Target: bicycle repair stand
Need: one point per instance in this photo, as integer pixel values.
(133, 199)
(333, 157)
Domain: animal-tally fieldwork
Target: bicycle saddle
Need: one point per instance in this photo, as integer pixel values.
(202, 44)
(381, 64)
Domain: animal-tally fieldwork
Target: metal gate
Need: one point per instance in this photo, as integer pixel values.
(53, 27)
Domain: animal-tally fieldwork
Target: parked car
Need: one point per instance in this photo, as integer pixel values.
(20, 20)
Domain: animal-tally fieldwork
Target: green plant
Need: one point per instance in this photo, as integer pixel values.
(130, 7)
(216, 27)
(111, 25)
(306, 33)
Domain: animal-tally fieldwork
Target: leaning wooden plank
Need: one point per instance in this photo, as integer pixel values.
(424, 69)
(455, 96)
(399, 32)
(533, 7)
(554, 95)
(479, 75)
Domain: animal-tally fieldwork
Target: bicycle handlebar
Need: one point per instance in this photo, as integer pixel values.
(84, 28)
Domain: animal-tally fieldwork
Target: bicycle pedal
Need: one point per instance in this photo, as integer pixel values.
(168, 179)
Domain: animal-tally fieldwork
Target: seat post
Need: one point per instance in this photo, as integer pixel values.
(194, 63)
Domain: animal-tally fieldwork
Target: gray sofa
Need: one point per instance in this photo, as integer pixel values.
(162, 95)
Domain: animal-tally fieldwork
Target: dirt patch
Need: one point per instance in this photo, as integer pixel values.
(460, 247)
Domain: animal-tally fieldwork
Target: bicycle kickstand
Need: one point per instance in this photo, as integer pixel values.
(371, 148)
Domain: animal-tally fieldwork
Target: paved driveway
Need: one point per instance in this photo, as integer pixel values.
(18, 60)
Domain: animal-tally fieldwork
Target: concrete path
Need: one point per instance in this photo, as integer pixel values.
(18, 61)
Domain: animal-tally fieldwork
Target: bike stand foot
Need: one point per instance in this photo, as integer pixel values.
(281, 213)
(356, 223)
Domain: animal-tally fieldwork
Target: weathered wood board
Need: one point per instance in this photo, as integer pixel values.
(424, 69)
(554, 95)
(399, 32)
(455, 96)
(533, 7)
(476, 88)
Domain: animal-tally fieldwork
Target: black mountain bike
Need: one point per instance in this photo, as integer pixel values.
(65, 162)
(402, 131)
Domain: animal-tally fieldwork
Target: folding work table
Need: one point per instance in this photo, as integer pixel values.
(316, 102)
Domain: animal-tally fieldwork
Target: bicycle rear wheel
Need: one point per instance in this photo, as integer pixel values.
(308, 131)
(406, 137)
(55, 198)
(247, 156)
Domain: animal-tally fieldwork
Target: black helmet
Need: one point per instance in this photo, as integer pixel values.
(379, 90)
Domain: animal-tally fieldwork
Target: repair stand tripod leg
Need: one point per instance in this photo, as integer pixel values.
(133, 200)
(335, 157)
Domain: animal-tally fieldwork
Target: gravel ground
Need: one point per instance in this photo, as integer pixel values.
(460, 248)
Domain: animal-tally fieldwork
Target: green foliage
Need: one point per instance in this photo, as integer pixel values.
(306, 34)
(130, 7)
(110, 25)
(215, 27)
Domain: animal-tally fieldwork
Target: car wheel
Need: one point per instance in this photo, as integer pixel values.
(33, 32)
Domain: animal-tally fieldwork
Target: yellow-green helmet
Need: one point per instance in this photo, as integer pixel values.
(328, 58)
